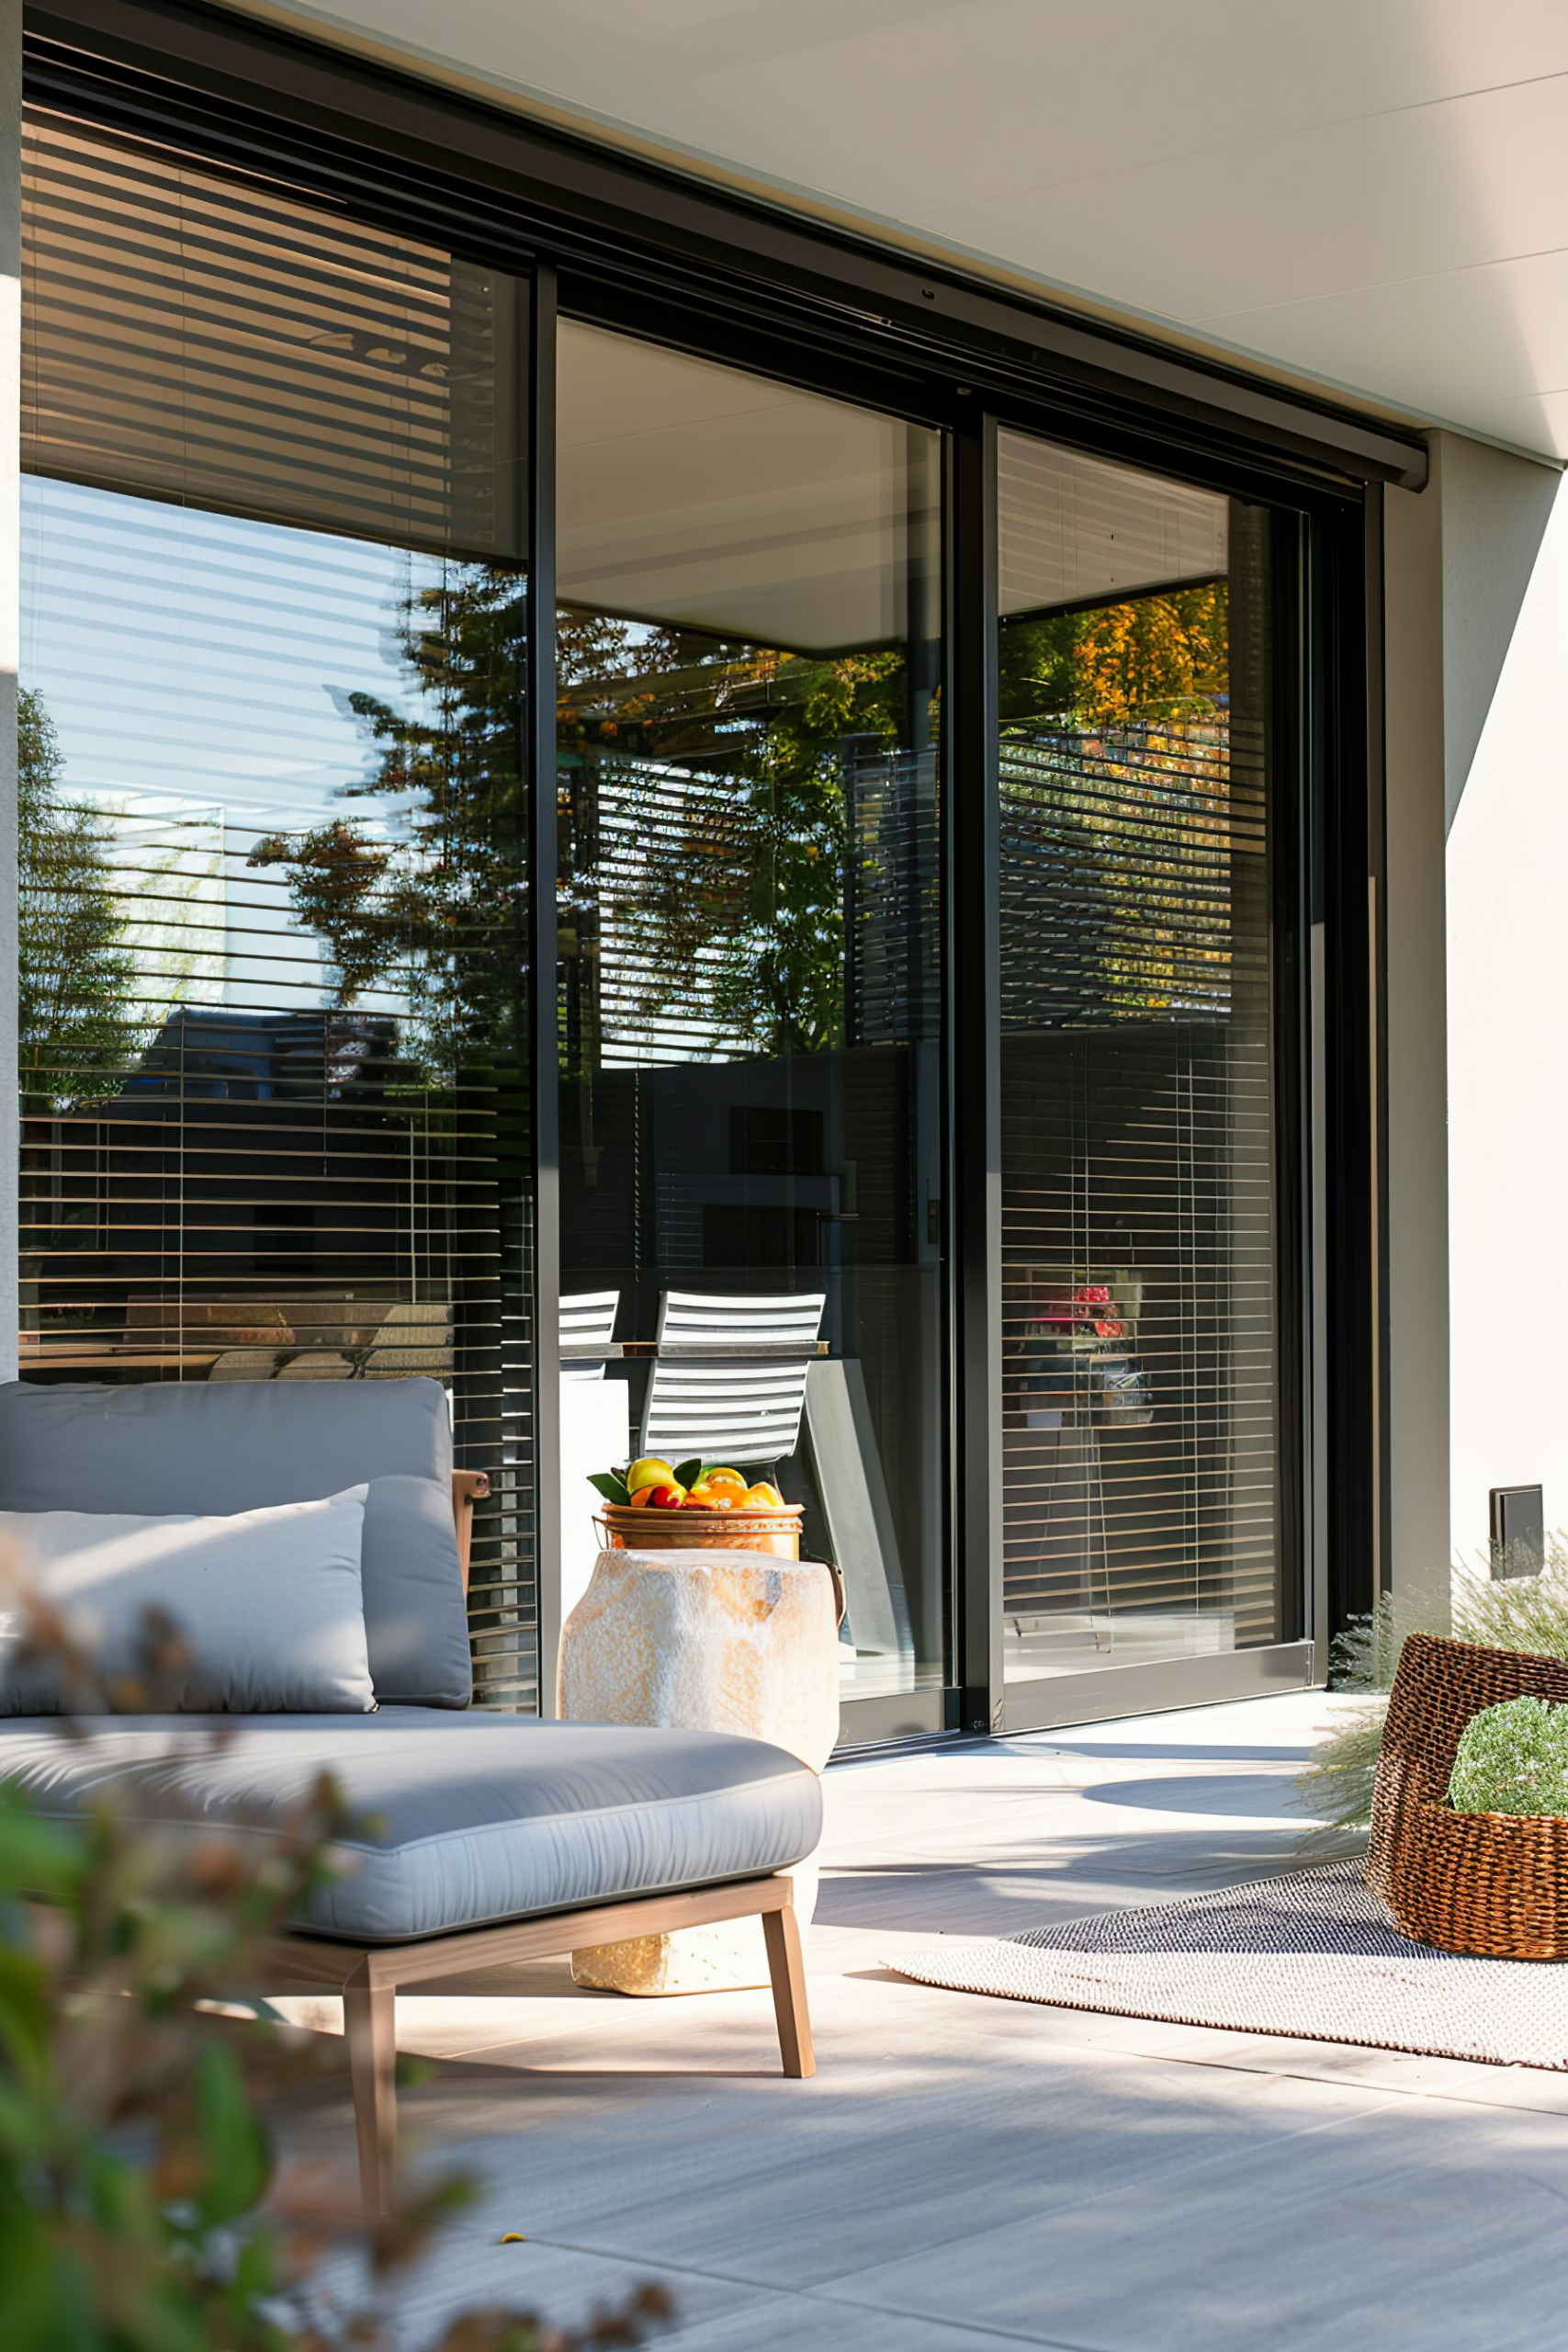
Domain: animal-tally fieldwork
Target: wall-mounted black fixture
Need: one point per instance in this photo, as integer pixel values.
(1518, 1531)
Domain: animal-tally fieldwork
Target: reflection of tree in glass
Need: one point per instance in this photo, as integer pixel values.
(431, 905)
(726, 762)
(729, 755)
(76, 975)
(1155, 658)
(1115, 762)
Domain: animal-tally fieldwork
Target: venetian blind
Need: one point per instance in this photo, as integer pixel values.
(219, 342)
(1139, 1280)
(274, 1118)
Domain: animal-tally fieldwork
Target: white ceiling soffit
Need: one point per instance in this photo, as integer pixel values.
(1072, 530)
(1374, 196)
(703, 496)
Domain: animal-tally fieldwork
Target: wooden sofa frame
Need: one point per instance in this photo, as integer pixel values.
(369, 1975)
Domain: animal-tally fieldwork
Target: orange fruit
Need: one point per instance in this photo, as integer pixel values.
(643, 1496)
(763, 1497)
(726, 1481)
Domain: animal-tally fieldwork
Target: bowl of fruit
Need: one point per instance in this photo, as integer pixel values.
(657, 1506)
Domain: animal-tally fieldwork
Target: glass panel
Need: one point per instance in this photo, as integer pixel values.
(750, 1009)
(1139, 1367)
(272, 896)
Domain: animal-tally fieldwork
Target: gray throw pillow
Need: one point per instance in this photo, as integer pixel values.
(158, 1447)
(268, 1602)
(415, 1615)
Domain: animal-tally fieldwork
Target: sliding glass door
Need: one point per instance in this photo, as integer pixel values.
(751, 1008)
(274, 1088)
(1140, 1377)
(276, 819)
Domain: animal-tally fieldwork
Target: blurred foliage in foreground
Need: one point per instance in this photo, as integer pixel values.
(141, 2205)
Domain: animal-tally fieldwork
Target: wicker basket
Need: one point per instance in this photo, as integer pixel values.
(774, 1527)
(1491, 1884)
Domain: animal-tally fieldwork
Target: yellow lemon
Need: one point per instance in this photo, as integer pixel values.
(650, 1472)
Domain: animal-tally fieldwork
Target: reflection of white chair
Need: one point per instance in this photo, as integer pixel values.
(734, 1323)
(587, 1320)
(596, 1430)
(718, 1389)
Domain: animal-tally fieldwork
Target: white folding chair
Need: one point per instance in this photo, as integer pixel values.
(587, 1320)
(739, 1323)
(718, 1389)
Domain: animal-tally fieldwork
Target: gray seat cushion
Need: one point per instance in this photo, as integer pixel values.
(481, 1817)
(167, 1447)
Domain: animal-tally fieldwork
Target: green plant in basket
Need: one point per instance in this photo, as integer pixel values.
(1513, 1758)
(1529, 1614)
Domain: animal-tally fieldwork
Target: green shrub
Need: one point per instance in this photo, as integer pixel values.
(1512, 1759)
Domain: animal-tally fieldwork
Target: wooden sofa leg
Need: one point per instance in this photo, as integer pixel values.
(786, 1969)
(370, 2013)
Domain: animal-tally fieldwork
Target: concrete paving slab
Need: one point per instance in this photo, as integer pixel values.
(964, 2171)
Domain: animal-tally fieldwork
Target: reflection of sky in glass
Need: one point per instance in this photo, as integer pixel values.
(181, 650)
(196, 667)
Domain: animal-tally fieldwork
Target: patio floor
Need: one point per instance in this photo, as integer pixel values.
(965, 2172)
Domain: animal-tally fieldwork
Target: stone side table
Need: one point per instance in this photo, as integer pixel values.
(709, 1640)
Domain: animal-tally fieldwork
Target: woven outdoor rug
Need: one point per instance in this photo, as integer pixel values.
(1313, 1955)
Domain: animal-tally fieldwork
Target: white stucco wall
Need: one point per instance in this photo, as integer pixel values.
(1506, 700)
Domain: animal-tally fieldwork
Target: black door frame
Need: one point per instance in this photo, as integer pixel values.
(667, 257)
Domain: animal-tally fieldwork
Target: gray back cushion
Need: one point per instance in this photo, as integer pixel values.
(169, 1447)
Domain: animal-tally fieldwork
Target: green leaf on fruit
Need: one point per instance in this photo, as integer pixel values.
(614, 1489)
(688, 1474)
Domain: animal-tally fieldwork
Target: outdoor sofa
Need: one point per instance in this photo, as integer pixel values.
(496, 1838)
